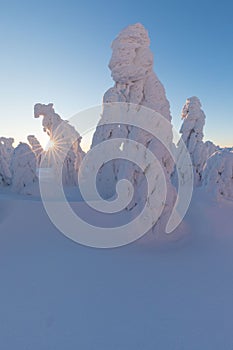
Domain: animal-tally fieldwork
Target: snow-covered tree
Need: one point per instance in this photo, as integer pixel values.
(23, 168)
(36, 148)
(61, 133)
(5, 173)
(218, 174)
(192, 135)
(136, 83)
(6, 151)
(8, 148)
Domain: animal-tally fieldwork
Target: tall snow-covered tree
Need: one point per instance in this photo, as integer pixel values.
(136, 83)
(192, 134)
(36, 148)
(60, 133)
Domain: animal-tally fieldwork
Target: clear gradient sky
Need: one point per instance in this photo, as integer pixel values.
(58, 51)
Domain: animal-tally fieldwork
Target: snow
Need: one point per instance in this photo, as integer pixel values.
(65, 139)
(36, 148)
(56, 294)
(166, 292)
(137, 88)
(6, 151)
(192, 135)
(131, 66)
(23, 169)
(218, 174)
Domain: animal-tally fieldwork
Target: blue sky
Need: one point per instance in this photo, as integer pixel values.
(58, 51)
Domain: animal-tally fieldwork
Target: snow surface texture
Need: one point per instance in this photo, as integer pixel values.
(61, 133)
(218, 174)
(56, 294)
(131, 66)
(23, 168)
(6, 152)
(192, 135)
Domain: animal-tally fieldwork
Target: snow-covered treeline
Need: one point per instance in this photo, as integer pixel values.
(135, 82)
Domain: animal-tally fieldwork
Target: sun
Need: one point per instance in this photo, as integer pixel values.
(51, 145)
